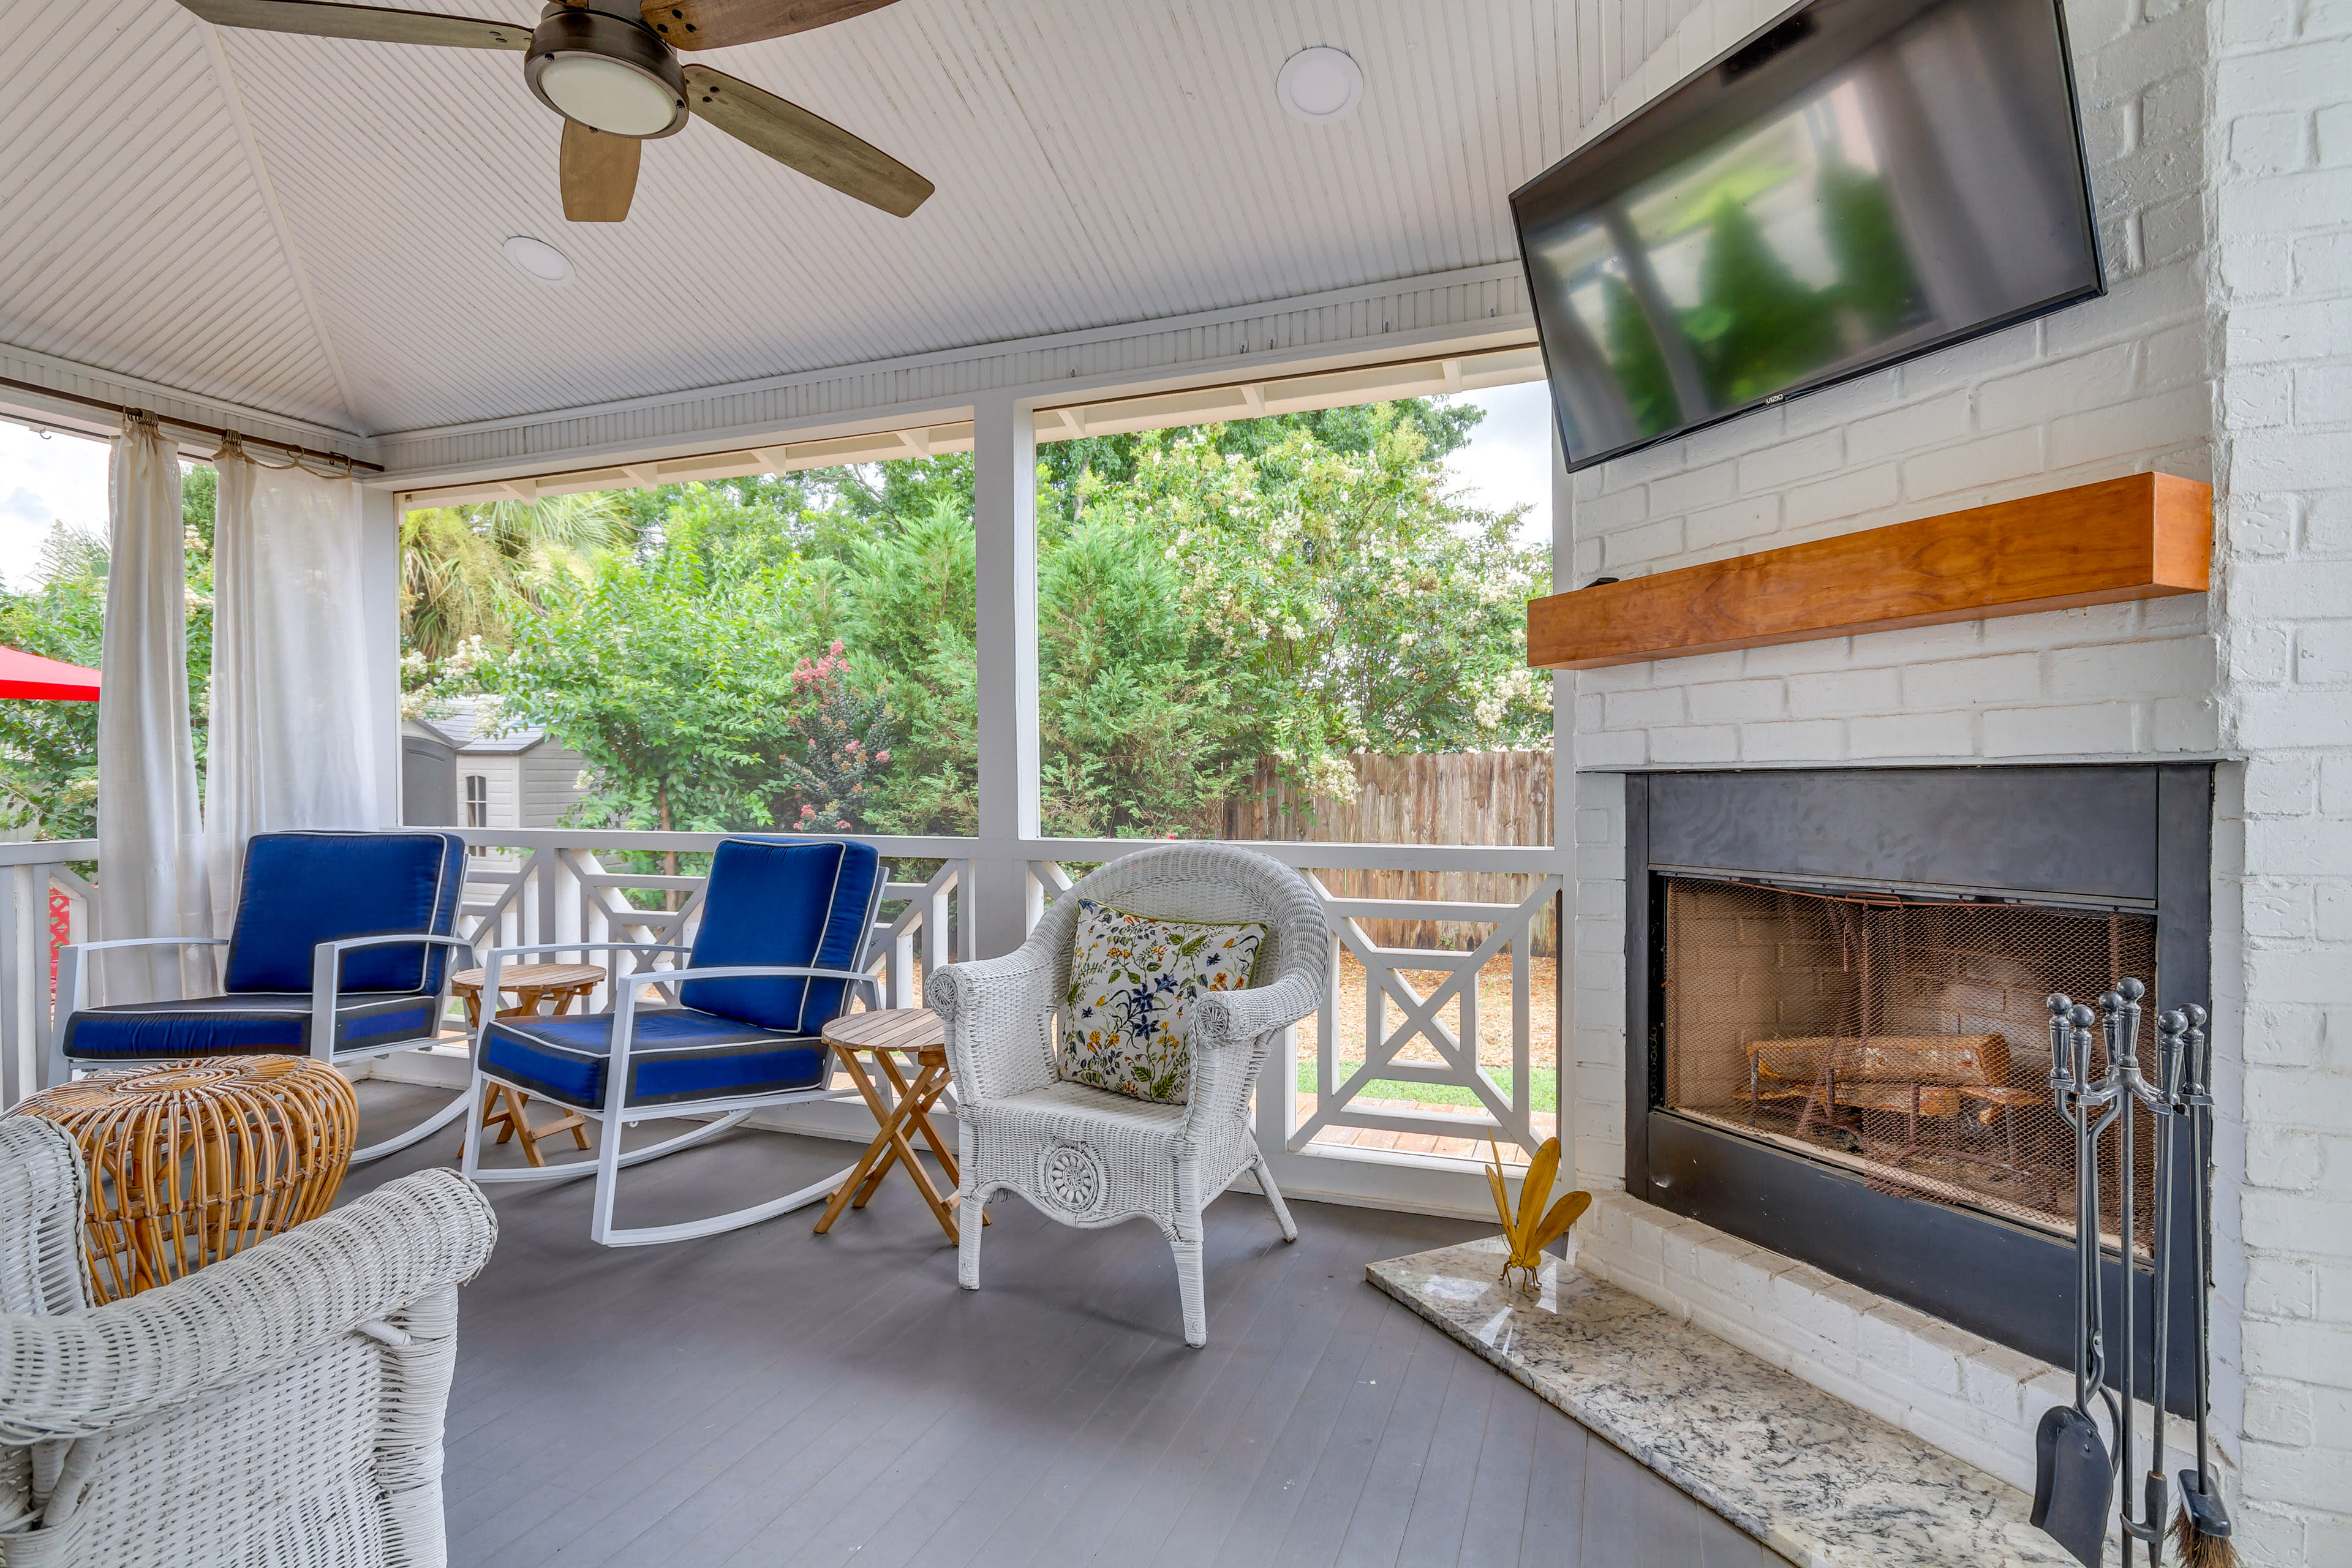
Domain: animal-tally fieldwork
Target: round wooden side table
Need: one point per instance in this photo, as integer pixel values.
(886, 1035)
(531, 984)
(191, 1161)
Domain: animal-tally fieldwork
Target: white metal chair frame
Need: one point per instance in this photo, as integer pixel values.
(616, 1113)
(326, 986)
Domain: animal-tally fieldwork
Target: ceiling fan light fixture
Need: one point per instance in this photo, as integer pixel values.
(607, 74)
(605, 95)
(538, 260)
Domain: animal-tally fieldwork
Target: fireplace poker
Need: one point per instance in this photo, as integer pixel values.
(2119, 1020)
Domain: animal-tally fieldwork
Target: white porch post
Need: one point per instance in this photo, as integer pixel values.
(378, 592)
(1563, 818)
(1004, 516)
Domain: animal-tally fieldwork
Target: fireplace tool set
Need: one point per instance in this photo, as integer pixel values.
(2075, 1480)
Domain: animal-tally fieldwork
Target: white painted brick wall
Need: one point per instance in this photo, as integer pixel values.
(2282, 228)
(2221, 139)
(2123, 384)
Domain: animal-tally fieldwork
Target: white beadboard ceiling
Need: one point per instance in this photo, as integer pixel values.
(310, 226)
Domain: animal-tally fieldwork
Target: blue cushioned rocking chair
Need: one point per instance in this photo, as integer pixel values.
(340, 953)
(784, 927)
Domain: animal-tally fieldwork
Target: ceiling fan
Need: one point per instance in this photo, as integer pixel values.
(611, 68)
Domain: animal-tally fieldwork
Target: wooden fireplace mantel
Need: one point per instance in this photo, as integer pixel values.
(2141, 537)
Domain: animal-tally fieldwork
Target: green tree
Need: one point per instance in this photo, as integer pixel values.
(913, 618)
(48, 750)
(664, 682)
(1134, 735)
(1295, 587)
(467, 572)
(1347, 602)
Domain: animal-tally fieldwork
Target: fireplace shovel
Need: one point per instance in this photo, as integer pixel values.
(2073, 1481)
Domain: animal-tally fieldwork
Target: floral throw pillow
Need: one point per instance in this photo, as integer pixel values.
(1133, 983)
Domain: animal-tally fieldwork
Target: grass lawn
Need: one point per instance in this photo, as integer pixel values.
(1543, 1087)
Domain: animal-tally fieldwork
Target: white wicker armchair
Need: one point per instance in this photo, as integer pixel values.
(1087, 1157)
(279, 1409)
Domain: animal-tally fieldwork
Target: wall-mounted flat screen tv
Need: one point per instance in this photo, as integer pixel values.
(1863, 182)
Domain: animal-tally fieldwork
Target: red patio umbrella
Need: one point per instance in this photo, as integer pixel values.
(30, 675)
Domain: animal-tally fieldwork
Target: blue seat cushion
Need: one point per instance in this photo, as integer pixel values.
(677, 1055)
(794, 903)
(247, 1023)
(303, 889)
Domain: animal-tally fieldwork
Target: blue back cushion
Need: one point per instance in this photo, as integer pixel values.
(783, 901)
(303, 889)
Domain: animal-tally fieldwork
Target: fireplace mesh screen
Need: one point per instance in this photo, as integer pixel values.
(1905, 1040)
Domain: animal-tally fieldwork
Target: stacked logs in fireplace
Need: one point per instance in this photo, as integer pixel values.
(1898, 1037)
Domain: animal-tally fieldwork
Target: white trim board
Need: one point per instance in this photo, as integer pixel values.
(67, 376)
(1467, 311)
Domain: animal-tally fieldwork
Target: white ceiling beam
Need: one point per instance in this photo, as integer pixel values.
(234, 98)
(1256, 398)
(918, 442)
(1452, 371)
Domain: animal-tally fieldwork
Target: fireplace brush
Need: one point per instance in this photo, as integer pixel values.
(2202, 1529)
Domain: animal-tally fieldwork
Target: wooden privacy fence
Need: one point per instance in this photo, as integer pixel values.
(1422, 797)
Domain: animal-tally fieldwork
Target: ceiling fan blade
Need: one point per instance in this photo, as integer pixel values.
(378, 23)
(715, 24)
(599, 173)
(817, 148)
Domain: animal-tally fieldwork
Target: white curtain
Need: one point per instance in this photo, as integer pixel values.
(293, 742)
(151, 852)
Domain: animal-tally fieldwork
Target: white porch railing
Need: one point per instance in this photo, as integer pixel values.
(1398, 1012)
(552, 889)
(566, 886)
(35, 870)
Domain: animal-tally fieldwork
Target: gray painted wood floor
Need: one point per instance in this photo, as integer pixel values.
(772, 1396)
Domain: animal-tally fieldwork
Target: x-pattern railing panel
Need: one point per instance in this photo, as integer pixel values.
(1507, 1109)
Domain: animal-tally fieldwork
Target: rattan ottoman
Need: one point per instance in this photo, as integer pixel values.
(191, 1161)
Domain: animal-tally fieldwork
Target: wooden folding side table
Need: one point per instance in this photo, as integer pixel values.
(898, 1031)
(532, 984)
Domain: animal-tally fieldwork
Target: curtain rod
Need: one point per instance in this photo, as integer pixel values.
(288, 446)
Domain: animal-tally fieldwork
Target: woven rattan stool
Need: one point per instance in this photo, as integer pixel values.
(190, 1162)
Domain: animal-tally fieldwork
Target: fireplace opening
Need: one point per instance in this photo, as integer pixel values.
(1839, 1046)
(1903, 1040)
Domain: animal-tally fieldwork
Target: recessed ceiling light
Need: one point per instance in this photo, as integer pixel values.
(1319, 84)
(538, 260)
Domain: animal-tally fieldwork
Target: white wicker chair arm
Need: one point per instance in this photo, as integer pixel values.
(999, 1014)
(1227, 1018)
(72, 1376)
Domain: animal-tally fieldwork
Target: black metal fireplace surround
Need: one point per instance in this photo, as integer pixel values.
(2130, 839)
